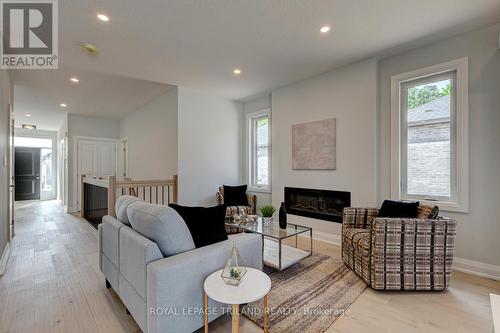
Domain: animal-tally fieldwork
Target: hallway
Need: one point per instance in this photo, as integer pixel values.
(53, 282)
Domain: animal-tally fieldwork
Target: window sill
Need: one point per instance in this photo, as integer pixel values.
(259, 190)
(444, 206)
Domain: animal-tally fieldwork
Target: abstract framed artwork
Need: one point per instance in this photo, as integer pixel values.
(314, 145)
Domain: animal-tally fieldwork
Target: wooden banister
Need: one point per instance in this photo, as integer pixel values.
(160, 192)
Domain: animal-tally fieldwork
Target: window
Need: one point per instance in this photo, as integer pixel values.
(429, 131)
(259, 125)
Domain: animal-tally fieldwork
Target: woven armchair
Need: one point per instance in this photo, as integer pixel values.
(399, 253)
(231, 210)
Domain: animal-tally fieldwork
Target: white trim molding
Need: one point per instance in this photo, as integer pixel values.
(476, 268)
(4, 259)
(462, 131)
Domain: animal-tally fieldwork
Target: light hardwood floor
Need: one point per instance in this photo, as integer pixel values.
(53, 284)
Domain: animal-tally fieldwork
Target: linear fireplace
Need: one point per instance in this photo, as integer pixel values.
(318, 204)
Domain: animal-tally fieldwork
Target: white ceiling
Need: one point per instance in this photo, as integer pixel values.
(197, 44)
(40, 93)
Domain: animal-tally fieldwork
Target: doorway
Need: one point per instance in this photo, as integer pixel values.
(35, 168)
(27, 173)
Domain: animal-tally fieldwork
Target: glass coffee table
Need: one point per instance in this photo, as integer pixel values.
(274, 253)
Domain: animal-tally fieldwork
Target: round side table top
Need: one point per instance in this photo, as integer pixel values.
(254, 285)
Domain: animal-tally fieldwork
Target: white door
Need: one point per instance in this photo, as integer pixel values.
(87, 158)
(122, 159)
(96, 158)
(106, 159)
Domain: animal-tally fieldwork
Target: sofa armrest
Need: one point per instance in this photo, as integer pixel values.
(176, 283)
(358, 217)
(412, 253)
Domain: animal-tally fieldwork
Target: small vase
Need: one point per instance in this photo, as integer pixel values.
(282, 216)
(267, 222)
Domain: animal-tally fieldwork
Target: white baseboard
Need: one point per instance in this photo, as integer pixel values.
(4, 259)
(71, 210)
(326, 237)
(476, 268)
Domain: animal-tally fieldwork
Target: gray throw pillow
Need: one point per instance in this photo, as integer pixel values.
(162, 225)
(121, 206)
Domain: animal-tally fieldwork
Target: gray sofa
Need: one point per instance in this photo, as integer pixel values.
(163, 293)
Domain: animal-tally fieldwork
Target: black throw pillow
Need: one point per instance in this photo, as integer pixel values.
(235, 195)
(398, 209)
(205, 224)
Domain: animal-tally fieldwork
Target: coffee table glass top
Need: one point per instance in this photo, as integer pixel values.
(275, 231)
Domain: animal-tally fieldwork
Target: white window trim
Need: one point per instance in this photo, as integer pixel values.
(462, 131)
(250, 151)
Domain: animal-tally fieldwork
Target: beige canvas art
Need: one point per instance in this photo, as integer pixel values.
(314, 145)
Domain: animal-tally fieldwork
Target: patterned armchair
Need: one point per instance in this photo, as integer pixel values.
(231, 210)
(399, 253)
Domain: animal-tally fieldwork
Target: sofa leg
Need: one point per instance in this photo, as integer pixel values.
(128, 312)
(108, 285)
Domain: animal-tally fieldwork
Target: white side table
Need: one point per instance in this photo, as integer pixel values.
(254, 286)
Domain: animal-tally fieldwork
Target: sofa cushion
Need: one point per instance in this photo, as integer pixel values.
(207, 225)
(428, 212)
(162, 225)
(398, 209)
(121, 206)
(357, 239)
(235, 195)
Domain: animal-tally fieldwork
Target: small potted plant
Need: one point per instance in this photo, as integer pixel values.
(267, 212)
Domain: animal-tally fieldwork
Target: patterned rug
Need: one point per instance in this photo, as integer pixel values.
(308, 296)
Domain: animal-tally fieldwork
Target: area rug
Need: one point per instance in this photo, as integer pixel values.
(308, 296)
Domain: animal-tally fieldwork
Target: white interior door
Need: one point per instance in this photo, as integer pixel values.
(106, 159)
(87, 158)
(96, 158)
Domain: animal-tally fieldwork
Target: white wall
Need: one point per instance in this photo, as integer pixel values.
(96, 127)
(151, 133)
(263, 198)
(209, 145)
(348, 94)
(479, 230)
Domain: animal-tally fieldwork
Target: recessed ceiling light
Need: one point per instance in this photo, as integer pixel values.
(325, 29)
(103, 17)
(74, 79)
(28, 115)
(237, 71)
(63, 105)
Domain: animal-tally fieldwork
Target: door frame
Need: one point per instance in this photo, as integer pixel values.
(41, 134)
(11, 175)
(74, 205)
(123, 165)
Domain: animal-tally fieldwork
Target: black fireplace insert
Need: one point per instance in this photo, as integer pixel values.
(319, 204)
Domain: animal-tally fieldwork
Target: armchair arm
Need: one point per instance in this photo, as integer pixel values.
(252, 203)
(219, 198)
(358, 217)
(176, 283)
(415, 254)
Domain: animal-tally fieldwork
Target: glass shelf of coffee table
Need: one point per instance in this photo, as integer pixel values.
(274, 253)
